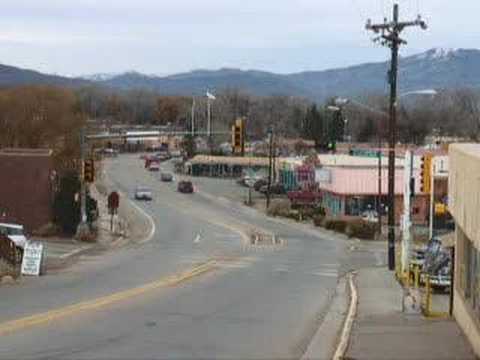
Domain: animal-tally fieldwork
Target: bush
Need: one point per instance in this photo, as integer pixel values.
(361, 229)
(318, 220)
(337, 225)
(47, 230)
(279, 207)
(66, 209)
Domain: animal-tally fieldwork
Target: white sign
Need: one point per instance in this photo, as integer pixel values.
(323, 176)
(32, 258)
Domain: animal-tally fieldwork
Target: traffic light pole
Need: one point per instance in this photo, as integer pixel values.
(83, 188)
(82, 229)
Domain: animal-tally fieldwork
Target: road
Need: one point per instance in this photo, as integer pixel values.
(248, 302)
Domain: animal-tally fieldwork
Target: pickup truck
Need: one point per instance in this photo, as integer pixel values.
(15, 233)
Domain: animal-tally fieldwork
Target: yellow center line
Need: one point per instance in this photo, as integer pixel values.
(52, 315)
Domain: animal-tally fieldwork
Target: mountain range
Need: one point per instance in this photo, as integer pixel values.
(435, 68)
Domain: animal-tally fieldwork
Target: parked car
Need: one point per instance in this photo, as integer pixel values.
(370, 216)
(143, 193)
(185, 187)
(435, 261)
(166, 176)
(14, 232)
(259, 183)
(275, 189)
(154, 166)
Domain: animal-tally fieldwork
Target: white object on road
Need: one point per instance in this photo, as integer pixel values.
(32, 258)
(197, 239)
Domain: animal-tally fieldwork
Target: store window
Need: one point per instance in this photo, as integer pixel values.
(471, 275)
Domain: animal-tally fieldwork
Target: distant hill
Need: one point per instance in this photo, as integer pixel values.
(435, 68)
(13, 76)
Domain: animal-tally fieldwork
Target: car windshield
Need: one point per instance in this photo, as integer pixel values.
(12, 231)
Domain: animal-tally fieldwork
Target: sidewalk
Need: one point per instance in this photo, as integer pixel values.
(382, 331)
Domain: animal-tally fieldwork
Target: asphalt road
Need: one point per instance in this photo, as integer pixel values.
(255, 302)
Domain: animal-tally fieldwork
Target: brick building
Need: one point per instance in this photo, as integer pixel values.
(26, 187)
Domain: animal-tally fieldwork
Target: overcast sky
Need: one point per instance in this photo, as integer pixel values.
(164, 37)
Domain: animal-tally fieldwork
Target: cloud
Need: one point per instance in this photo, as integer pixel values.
(170, 36)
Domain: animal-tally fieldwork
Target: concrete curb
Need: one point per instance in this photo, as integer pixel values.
(314, 231)
(323, 343)
(347, 326)
(127, 210)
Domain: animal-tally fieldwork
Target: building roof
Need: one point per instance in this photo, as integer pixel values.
(362, 181)
(344, 160)
(229, 160)
(25, 152)
(468, 149)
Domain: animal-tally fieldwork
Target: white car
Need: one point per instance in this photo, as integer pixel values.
(15, 233)
(143, 193)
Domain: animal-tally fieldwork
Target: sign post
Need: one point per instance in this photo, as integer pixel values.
(113, 203)
(32, 258)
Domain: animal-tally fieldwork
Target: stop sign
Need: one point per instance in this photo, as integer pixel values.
(113, 200)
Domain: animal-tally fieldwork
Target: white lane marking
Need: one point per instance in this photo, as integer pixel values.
(150, 219)
(197, 239)
(74, 252)
(325, 273)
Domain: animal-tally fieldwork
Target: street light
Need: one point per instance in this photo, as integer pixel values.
(391, 195)
(210, 97)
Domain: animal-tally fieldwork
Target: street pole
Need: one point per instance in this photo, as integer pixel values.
(209, 129)
(193, 117)
(390, 36)
(432, 198)
(407, 197)
(379, 197)
(270, 157)
(83, 187)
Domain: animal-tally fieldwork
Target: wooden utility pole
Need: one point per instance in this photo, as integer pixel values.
(389, 35)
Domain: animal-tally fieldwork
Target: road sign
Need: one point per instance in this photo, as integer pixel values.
(113, 201)
(32, 258)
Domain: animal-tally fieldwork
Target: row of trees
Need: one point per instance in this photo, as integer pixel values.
(45, 116)
(42, 116)
(455, 112)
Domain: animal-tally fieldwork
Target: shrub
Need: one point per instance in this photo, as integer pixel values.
(47, 230)
(361, 229)
(337, 225)
(279, 207)
(318, 220)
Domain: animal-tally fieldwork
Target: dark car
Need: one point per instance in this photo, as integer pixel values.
(259, 183)
(166, 176)
(185, 187)
(275, 189)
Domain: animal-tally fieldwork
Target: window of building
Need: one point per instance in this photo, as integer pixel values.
(471, 275)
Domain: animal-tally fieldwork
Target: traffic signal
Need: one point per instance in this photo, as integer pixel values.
(238, 137)
(426, 173)
(89, 170)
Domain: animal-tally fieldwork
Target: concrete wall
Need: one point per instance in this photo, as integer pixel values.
(26, 192)
(464, 189)
(464, 205)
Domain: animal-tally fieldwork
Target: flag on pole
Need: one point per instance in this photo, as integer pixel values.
(210, 96)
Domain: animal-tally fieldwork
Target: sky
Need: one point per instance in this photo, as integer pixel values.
(162, 37)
